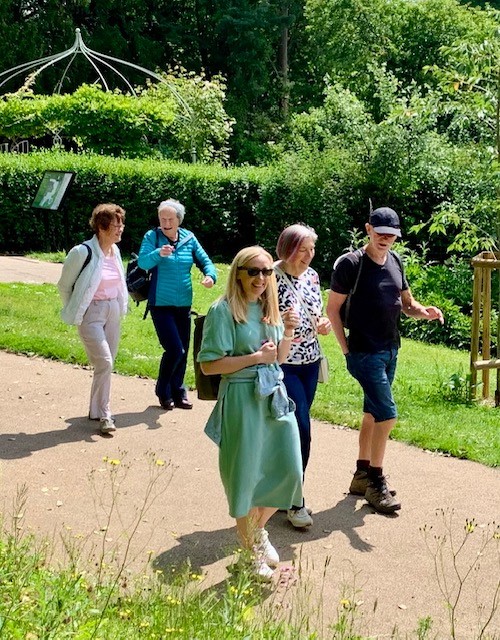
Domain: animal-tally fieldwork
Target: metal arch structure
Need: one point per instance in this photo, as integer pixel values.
(100, 62)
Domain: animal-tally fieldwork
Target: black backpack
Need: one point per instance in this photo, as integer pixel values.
(346, 305)
(138, 280)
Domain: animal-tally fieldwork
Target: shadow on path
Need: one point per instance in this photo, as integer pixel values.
(80, 429)
(202, 548)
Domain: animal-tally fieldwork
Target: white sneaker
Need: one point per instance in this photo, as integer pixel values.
(262, 570)
(264, 550)
(300, 518)
(106, 425)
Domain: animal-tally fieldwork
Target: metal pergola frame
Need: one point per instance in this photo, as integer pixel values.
(100, 62)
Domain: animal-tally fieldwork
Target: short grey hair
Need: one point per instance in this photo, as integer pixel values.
(176, 206)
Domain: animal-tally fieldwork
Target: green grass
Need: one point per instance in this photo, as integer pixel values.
(56, 256)
(38, 601)
(29, 323)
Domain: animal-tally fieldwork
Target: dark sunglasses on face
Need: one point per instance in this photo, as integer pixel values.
(254, 271)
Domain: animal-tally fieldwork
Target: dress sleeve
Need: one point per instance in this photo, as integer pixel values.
(218, 333)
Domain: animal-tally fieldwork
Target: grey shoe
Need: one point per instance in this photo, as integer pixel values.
(360, 482)
(378, 495)
(106, 425)
(299, 518)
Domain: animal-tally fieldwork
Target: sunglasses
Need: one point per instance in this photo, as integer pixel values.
(254, 271)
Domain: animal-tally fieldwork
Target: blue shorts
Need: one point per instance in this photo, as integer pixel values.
(375, 373)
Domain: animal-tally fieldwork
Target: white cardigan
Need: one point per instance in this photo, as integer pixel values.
(77, 291)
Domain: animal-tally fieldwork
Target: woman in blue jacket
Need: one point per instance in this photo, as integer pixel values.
(170, 251)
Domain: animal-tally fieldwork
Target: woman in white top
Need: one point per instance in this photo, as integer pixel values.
(94, 294)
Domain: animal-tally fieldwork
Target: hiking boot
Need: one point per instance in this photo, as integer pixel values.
(378, 495)
(360, 482)
(264, 550)
(106, 425)
(299, 518)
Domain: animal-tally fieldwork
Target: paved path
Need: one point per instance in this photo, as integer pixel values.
(47, 444)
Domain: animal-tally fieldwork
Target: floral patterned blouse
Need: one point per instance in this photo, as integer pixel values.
(304, 348)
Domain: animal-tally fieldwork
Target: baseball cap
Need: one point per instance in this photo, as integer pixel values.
(385, 220)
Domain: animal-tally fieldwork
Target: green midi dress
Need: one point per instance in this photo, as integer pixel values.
(259, 457)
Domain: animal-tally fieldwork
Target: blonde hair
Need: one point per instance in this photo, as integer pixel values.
(235, 296)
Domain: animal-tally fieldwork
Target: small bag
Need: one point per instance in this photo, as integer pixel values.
(206, 386)
(324, 368)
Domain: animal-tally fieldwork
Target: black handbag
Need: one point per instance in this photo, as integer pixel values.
(207, 387)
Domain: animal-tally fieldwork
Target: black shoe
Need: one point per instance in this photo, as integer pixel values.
(168, 405)
(183, 403)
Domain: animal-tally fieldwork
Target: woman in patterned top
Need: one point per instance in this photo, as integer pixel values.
(298, 287)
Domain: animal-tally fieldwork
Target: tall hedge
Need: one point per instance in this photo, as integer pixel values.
(226, 208)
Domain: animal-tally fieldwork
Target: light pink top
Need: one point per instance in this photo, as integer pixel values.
(110, 282)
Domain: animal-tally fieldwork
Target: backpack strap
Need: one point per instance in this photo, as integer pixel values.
(85, 262)
(184, 240)
(361, 253)
(397, 257)
(146, 310)
(87, 258)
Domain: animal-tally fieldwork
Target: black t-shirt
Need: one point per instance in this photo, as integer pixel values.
(376, 304)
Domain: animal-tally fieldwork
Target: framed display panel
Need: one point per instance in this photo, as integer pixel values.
(53, 189)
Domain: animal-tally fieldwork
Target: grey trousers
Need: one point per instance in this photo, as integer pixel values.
(100, 334)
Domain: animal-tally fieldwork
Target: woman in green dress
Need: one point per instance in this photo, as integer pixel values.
(253, 422)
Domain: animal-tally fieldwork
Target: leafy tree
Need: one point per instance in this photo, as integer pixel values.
(353, 38)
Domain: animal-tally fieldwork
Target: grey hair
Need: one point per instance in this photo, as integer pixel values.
(176, 206)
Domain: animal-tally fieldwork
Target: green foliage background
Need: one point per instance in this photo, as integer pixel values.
(226, 208)
(343, 104)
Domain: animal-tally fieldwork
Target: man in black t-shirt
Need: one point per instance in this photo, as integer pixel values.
(373, 279)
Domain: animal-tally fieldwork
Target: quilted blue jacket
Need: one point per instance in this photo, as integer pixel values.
(171, 276)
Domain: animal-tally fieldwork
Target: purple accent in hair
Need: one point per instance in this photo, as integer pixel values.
(291, 238)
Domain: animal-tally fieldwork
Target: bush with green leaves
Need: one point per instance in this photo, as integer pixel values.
(447, 286)
(202, 126)
(226, 208)
(316, 190)
(183, 119)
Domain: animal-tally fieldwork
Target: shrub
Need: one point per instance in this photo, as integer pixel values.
(184, 120)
